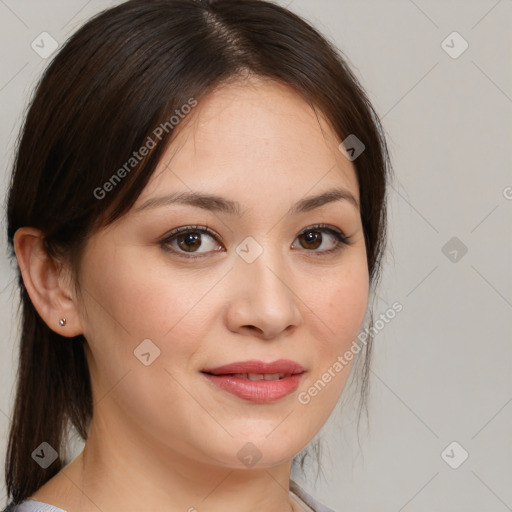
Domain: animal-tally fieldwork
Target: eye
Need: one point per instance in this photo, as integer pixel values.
(314, 238)
(188, 240)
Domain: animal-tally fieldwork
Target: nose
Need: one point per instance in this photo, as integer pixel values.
(263, 301)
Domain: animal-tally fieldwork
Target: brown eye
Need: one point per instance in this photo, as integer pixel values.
(189, 242)
(321, 239)
(310, 239)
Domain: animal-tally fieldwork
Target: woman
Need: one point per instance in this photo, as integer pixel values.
(197, 212)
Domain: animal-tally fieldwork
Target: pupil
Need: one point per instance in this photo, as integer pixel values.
(312, 238)
(190, 241)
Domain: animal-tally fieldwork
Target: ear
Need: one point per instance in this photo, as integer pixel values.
(47, 282)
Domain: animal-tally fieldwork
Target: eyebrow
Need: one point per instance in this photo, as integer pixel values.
(220, 204)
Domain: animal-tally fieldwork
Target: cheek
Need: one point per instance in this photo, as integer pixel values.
(339, 303)
(338, 306)
(136, 303)
(346, 307)
(139, 299)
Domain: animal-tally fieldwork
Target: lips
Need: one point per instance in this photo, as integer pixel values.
(282, 366)
(260, 376)
(257, 381)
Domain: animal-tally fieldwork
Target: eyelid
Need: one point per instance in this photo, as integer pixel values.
(185, 229)
(333, 231)
(338, 234)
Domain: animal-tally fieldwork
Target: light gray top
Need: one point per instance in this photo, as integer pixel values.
(306, 500)
(36, 506)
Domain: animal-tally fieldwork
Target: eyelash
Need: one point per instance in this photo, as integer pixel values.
(338, 235)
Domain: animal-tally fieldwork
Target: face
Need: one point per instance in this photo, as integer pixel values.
(279, 279)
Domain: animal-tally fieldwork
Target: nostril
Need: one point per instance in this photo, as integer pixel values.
(254, 328)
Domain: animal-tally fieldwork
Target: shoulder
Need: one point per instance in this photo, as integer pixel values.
(311, 502)
(32, 506)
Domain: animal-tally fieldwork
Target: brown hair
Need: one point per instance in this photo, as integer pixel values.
(113, 82)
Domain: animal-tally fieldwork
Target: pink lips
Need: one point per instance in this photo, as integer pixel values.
(257, 381)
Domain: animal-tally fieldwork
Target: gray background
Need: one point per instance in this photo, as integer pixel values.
(442, 367)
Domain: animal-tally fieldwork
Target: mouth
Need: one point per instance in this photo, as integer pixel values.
(254, 376)
(277, 369)
(257, 381)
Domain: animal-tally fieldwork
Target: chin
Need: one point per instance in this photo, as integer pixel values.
(257, 452)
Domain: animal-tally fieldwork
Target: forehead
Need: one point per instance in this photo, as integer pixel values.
(253, 136)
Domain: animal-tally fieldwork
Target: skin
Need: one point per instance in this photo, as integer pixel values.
(162, 437)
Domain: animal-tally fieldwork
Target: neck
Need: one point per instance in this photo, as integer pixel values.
(117, 472)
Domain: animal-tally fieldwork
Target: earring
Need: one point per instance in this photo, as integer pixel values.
(62, 322)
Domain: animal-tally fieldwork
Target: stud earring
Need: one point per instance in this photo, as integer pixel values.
(62, 322)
